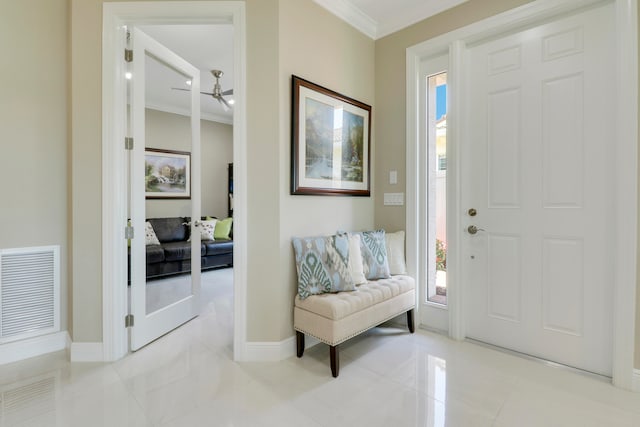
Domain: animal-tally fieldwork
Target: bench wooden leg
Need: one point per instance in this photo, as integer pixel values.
(410, 321)
(335, 360)
(300, 343)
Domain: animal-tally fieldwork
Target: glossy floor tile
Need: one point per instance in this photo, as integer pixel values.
(388, 377)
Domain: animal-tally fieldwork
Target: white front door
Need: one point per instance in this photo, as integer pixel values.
(162, 304)
(538, 170)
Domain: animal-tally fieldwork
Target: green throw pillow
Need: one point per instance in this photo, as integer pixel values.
(223, 229)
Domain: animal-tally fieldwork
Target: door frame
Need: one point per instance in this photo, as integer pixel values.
(114, 167)
(626, 151)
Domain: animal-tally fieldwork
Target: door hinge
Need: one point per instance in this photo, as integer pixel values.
(128, 55)
(128, 321)
(128, 143)
(128, 232)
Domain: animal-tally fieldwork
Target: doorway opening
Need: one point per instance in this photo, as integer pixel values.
(183, 129)
(116, 18)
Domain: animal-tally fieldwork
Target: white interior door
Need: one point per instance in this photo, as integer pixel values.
(538, 168)
(163, 304)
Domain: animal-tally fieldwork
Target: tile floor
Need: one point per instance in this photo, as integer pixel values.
(387, 378)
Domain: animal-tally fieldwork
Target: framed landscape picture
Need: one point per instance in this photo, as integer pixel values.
(167, 174)
(330, 142)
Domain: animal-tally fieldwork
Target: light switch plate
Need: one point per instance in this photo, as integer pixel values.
(393, 177)
(393, 199)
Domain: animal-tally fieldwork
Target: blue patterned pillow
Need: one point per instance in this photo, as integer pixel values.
(374, 255)
(322, 264)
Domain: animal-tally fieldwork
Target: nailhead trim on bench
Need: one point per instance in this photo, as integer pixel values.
(355, 334)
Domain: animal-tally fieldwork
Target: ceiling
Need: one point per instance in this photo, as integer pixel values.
(379, 18)
(207, 47)
(210, 47)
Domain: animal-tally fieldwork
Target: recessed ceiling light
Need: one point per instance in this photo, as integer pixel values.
(231, 101)
(188, 82)
(128, 75)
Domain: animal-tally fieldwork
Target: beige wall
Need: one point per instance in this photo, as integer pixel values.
(86, 169)
(264, 285)
(319, 47)
(637, 358)
(172, 132)
(33, 129)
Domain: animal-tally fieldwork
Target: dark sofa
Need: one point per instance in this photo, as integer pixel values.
(173, 255)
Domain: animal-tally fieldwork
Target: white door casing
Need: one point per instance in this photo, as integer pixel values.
(538, 169)
(116, 16)
(622, 140)
(150, 326)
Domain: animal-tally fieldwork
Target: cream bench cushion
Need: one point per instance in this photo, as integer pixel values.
(335, 317)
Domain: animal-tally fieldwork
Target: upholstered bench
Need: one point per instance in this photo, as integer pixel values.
(333, 318)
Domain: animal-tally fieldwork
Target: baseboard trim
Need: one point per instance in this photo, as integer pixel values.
(636, 380)
(275, 351)
(32, 347)
(87, 352)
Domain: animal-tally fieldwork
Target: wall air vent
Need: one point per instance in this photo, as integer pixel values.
(29, 292)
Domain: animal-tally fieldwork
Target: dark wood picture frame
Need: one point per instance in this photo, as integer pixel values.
(167, 174)
(330, 142)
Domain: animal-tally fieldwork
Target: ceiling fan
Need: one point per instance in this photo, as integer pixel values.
(217, 92)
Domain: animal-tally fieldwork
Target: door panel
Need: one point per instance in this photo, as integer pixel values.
(538, 170)
(162, 304)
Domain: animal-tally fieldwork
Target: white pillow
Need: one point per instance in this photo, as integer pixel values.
(355, 260)
(207, 228)
(395, 252)
(150, 237)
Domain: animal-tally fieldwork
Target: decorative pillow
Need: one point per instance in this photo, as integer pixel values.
(322, 264)
(207, 228)
(223, 229)
(395, 252)
(150, 237)
(355, 260)
(374, 255)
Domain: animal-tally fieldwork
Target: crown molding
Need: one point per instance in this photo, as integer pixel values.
(351, 15)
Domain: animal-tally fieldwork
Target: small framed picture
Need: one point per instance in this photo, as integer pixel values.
(167, 174)
(330, 142)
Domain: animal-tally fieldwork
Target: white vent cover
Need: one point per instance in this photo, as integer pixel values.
(31, 399)
(29, 292)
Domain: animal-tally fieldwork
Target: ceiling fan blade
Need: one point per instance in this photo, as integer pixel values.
(189, 90)
(224, 103)
(228, 92)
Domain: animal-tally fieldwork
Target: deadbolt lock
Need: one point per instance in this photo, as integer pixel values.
(472, 212)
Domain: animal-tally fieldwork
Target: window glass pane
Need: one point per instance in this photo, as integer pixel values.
(437, 187)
